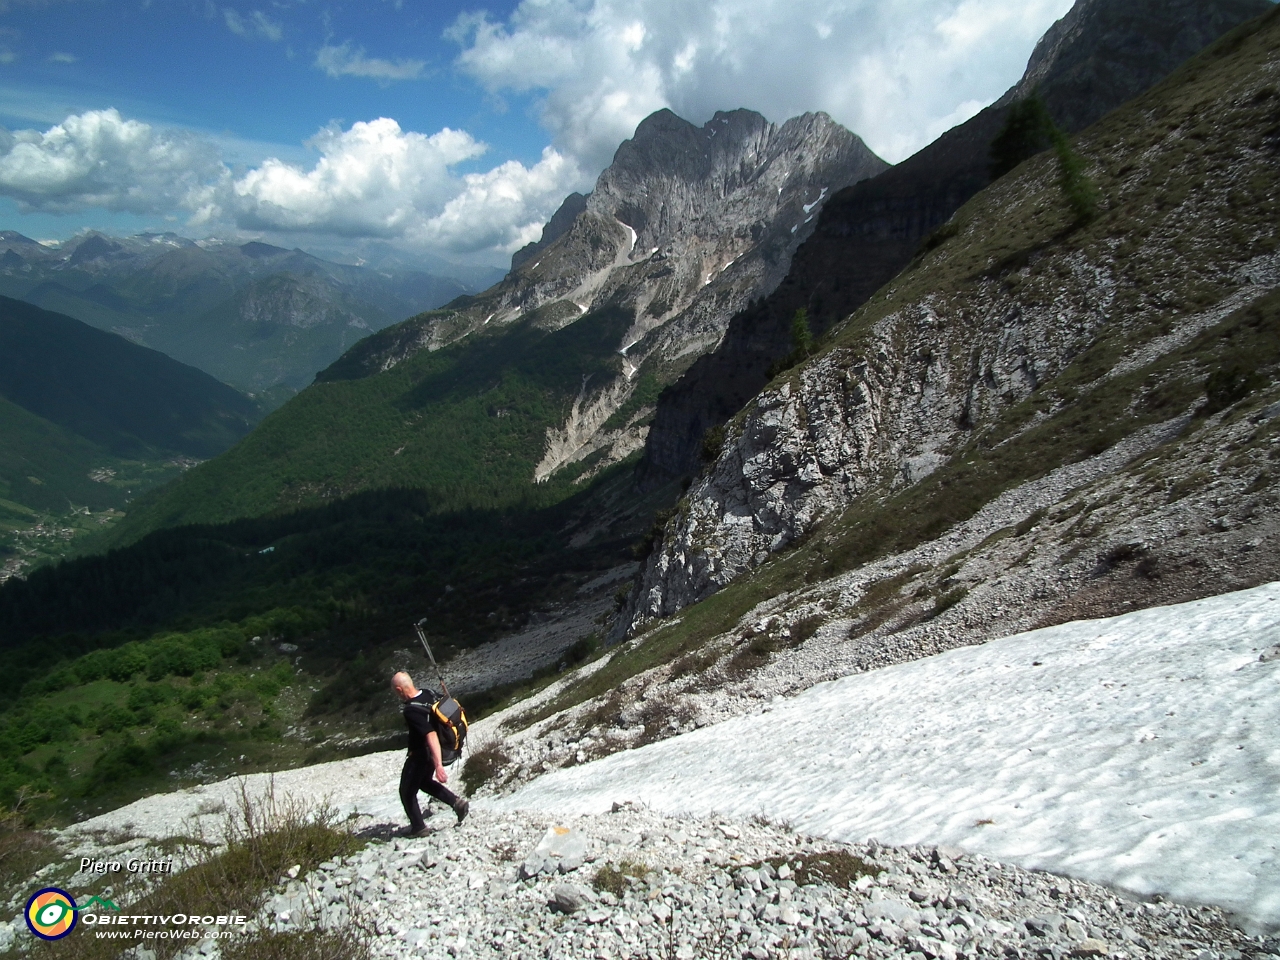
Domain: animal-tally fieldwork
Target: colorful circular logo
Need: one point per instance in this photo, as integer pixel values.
(51, 913)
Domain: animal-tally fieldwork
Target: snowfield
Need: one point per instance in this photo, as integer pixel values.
(1141, 751)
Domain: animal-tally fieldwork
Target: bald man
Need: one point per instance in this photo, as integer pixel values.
(423, 769)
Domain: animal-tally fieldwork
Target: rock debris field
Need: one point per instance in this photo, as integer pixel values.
(710, 887)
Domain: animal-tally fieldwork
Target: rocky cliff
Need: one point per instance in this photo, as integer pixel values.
(686, 226)
(1023, 342)
(1098, 56)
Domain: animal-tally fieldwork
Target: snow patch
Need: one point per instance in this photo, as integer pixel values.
(810, 206)
(1139, 751)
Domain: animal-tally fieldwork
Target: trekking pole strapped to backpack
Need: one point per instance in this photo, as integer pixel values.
(447, 714)
(430, 656)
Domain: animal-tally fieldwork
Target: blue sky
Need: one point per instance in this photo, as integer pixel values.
(448, 128)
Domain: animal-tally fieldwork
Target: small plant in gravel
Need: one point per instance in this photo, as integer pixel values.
(22, 849)
(485, 765)
(948, 600)
(662, 718)
(613, 878)
(263, 839)
(348, 943)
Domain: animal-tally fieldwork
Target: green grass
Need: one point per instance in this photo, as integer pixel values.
(265, 838)
(465, 424)
(114, 722)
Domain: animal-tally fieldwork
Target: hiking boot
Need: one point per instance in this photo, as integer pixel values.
(414, 834)
(462, 808)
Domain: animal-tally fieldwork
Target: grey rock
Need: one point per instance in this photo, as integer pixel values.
(570, 897)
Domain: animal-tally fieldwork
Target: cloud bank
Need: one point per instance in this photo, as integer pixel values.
(372, 180)
(897, 72)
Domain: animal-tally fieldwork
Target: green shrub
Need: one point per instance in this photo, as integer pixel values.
(712, 444)
(483, 765)
(613, 879)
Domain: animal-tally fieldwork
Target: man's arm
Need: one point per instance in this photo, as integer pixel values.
(433, 746)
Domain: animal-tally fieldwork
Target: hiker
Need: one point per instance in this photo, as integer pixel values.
(423, 768)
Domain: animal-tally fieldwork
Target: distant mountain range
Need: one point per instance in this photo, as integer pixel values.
(259, 317)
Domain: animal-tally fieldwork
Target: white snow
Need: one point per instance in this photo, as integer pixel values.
(1141, 751)
(810, 206)
(632, 234)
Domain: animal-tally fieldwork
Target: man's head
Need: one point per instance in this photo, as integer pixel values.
(403, 686)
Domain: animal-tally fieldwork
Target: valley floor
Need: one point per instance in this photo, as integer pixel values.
(1130, 757)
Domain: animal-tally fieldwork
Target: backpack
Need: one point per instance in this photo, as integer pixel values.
(450, 722)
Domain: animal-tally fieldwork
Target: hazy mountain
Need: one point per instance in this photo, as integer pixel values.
(257, 316)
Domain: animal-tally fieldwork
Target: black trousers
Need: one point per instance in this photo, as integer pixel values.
(418, 774)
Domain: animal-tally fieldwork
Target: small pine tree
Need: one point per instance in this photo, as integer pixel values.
(1028, 130)
(801, 335)
(1080, 193)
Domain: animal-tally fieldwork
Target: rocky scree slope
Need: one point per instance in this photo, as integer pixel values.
(1098, 56)
(632, 883)
(684, 227)
(1015, 328)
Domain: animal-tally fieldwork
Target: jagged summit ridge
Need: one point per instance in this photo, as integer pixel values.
(685, 227)
(982, 334)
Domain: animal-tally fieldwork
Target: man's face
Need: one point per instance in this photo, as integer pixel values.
(400, 691)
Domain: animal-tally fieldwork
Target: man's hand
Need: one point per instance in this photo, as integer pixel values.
(433, 747)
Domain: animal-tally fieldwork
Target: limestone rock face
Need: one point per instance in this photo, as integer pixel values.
(685, 227)
(965, 350)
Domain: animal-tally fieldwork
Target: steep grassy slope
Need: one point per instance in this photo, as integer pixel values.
(1100, 55)
(1016, 312)
(125, 398)
(465, 424)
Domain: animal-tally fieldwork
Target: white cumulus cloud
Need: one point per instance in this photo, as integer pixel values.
(377, 180)
(344, 61)
(898, 72)
(100, 159)
(502, 209)
(371, 180)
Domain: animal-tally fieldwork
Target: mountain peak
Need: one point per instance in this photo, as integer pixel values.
(1102, 45)
(256, 250)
